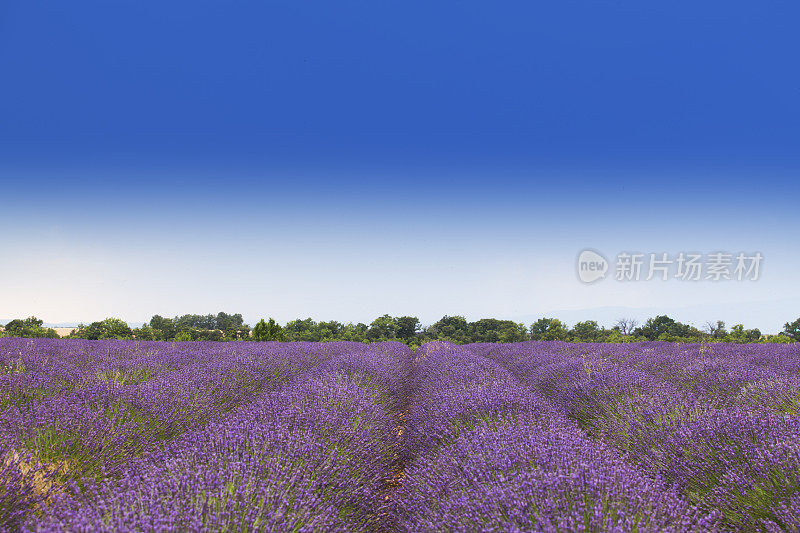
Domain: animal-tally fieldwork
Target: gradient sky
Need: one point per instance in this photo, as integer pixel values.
(342, 160)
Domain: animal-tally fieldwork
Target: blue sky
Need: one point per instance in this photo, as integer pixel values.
(342, 160)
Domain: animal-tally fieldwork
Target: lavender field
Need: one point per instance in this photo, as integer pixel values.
(533, 436)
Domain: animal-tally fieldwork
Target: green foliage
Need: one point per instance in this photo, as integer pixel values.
(302, 330)
(587, 331)
(30, 327)
(717, 330)
(335, 331)
(110, 328)
(383, 328)
(548, 329)
(777, 339)
(309, 330)
(231, 327)
(407, 328)
(615, 335)
(664, 328)
(493, 330)
(164, 328)
(450, 328)
(145, 333)
(183, 336)
(792, 330)
(268, 331)
(221, 326)
(740, 335)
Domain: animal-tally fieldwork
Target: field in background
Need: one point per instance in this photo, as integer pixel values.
(532, 436)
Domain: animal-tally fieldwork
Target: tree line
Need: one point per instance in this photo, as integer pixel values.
(406, 329)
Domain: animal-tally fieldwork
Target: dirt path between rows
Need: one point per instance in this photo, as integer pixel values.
(400, 453)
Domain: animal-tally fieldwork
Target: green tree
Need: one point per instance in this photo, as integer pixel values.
(30, 327)
(222, 326)
(655, 327)
(494, 330)
(792, 329)
(454, 329)
(214, 335)
(781, 338)
(232, 326)
(145, 333)
(716, 330)
(625, 326)
(407, 328)
(110, 328)
(664, 328)
(383, 328)
(302, 330)
(183, 336)
(268, 331)
(511, 331)
(330, 331)
(587, 331)
(616, 336)
(740, 335)
(16, 328)
(355, 332)
(164, 328)
(548, 329)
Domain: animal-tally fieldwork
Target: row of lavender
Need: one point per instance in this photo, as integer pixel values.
(489, 453)
(720, 423)
(118, 436)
